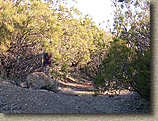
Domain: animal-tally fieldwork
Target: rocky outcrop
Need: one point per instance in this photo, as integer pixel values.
(39, 80)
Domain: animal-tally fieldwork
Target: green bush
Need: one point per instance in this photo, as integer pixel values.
(141, 77)
(125, 68)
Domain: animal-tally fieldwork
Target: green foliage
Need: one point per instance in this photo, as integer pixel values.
(141, 75)
(117, 57)
(33, 27)
(64, 67)
(126, 64)
(125, 68)
(99, 82)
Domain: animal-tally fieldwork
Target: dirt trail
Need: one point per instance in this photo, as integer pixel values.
(76, 85)
(14, 99)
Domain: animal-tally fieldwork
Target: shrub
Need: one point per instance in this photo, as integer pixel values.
(125, 68)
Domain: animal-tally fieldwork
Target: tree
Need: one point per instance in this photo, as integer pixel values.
(25, 29)
(32, 27)
(127, 63)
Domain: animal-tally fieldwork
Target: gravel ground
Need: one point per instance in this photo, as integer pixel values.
(14, 99)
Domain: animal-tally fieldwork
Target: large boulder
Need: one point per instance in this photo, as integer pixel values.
(39, 80)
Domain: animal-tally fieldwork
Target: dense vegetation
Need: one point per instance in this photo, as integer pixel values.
(113, 61)
(127, 63)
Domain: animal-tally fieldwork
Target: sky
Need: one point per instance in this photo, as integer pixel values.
(99, 10)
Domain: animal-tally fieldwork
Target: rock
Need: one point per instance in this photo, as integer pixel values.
(39, 80)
